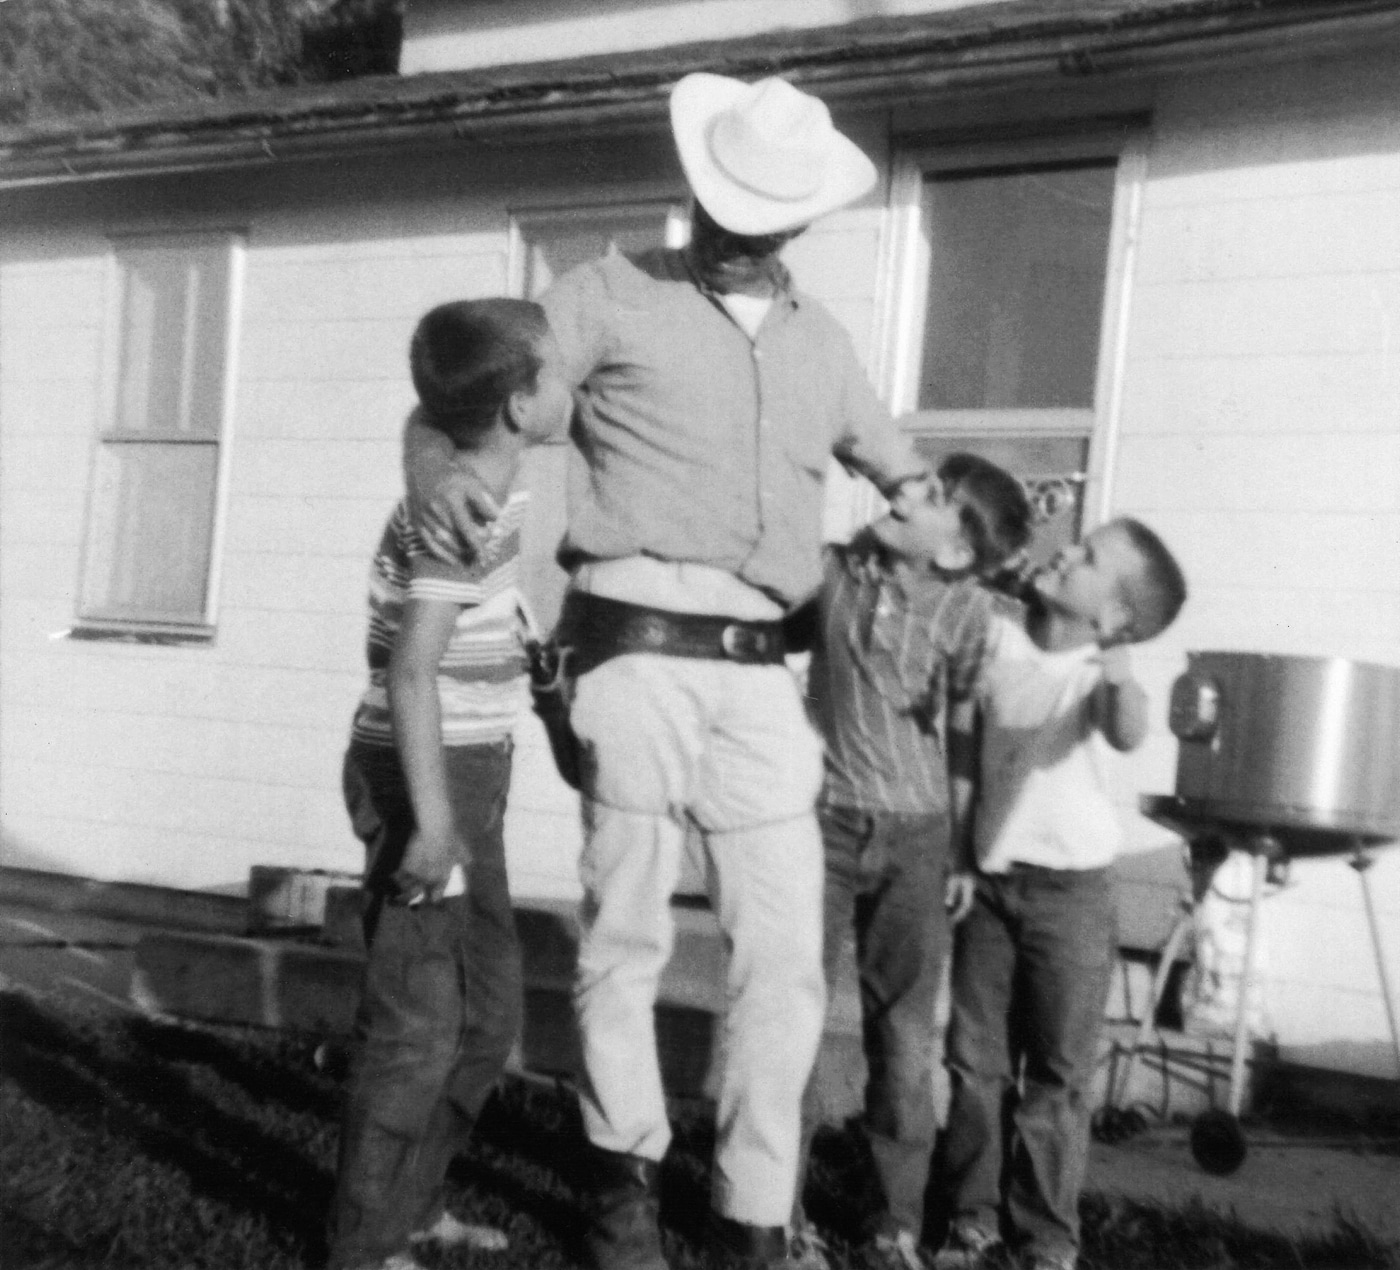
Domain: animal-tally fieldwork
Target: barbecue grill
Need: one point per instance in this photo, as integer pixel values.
(1279, 757)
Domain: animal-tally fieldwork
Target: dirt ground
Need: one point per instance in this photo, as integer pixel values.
(1294, 1183)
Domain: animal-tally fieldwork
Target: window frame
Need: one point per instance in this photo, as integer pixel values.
(90, 622)
(905, 276)
(675, 210)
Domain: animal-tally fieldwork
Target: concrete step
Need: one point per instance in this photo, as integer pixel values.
(313, 986)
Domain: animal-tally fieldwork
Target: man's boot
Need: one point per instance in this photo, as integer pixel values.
(749, 1247)
(624, 1234)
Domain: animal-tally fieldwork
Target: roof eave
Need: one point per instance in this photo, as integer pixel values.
(556, 99)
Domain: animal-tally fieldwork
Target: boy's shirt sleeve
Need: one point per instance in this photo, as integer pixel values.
(971, 650)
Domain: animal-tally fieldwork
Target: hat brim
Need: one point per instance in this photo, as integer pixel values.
(696, 100)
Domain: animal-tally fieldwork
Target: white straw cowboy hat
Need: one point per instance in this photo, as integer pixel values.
(762, 158)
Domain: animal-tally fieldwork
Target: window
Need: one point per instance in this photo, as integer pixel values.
(148, 562)
(1011, 261)
(545, 244)
(548, 243)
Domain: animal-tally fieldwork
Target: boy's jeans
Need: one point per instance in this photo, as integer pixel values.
(885, 880)
(440, 1008)
(1032, 965)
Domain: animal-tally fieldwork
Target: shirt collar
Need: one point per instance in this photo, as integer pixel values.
(780, 274)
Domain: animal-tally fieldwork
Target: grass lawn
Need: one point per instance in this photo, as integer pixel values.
(132, 1142)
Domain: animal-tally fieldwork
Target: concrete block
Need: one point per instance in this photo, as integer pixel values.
(285, 900)
(226, 979)
(341, 924)
(121, 901)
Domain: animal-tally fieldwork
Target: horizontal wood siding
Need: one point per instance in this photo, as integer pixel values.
(1261, 435)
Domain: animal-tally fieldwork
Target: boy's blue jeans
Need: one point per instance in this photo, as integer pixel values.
(1032, 964)
(440, 1008)
(885, 880)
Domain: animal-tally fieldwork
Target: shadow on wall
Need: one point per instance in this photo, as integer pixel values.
(1350, 1059)
(17, 853)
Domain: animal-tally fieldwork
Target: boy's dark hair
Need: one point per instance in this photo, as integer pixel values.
(1156, 592)
(467, 357)
(996, 514)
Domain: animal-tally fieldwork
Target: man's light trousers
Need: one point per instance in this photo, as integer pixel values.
(668, 741)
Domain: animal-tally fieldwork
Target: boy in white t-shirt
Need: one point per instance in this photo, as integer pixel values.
(1034, 949)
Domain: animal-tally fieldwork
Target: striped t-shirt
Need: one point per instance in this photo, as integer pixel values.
(896, 643)
(482, 685)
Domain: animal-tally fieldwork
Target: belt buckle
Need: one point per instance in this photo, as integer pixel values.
(652, 632)
(743, 643)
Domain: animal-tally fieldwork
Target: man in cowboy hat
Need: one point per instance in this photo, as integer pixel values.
(710, 396)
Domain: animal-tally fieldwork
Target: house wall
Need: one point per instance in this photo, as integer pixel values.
(184, 766)
(452, 35)
(1258, 431)
(1261, 434)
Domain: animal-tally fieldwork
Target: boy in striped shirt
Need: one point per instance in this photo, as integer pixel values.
(425, 780)
(903, 627)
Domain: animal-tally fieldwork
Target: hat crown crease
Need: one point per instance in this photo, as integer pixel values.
(774, 143)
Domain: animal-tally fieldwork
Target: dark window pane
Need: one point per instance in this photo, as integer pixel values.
(1018, 260)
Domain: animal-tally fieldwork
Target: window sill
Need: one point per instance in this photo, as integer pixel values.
(139, 633)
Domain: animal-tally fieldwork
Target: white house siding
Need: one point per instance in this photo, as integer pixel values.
(453, 35)
(1261, 434)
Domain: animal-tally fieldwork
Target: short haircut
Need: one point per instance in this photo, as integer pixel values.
(1155, 593)
(996, 514)
(469, 356)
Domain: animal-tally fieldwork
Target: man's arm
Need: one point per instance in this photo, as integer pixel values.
(451, 508)
(1119, 704)
(413, 701)
(872, 443)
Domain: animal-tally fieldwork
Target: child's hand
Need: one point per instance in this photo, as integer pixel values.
(958, 893)
(460, 519)
(428, 865)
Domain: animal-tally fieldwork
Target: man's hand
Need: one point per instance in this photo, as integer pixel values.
(459, 519)
(958, 893)
(427, 866)
(1116, 665)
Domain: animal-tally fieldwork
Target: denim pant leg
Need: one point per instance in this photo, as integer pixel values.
(408, 1029)
(1067, 948)
(843, 830)
(901, 947)
(979, 1058)
(437, 1018)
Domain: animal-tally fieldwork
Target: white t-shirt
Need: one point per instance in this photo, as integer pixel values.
(1045, 795)
(747, 310)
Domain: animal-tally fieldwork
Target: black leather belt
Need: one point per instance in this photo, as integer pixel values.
(594, 628)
